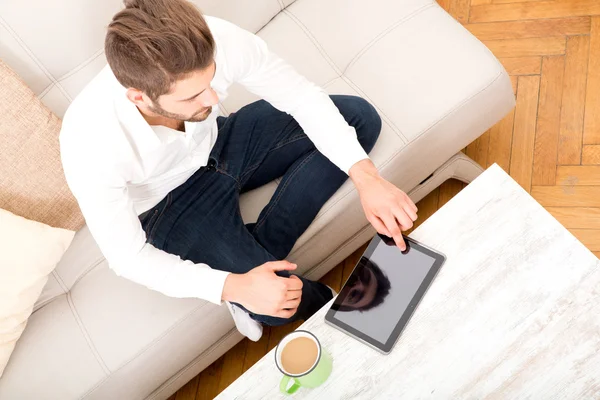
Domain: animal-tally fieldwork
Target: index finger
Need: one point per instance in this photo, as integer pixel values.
(400, 242)
(394, 229)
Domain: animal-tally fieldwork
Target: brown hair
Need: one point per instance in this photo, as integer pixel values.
(151, 44)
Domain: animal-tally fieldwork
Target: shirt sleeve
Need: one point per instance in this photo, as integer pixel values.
(265, 74)
(111, 218)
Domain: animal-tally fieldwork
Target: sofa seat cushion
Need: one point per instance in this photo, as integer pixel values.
(107, 326)
(51, 353)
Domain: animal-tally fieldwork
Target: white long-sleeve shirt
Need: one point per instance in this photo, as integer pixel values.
(118, 166)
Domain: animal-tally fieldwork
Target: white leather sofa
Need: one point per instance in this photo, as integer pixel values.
(94, 335)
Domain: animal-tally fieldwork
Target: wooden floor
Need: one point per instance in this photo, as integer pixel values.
(550, 143)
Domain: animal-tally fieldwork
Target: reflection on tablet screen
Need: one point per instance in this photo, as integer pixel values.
(380, 289)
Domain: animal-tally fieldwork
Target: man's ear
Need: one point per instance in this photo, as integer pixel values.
(137, 97)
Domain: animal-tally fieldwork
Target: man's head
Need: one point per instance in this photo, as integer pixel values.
(162, 51)
(366, 288)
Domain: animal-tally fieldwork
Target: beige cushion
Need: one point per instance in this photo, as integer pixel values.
(30, 251)
(32, 182)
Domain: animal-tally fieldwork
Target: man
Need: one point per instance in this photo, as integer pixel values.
(158, 174)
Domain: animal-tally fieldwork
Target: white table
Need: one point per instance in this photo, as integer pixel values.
(513, 314)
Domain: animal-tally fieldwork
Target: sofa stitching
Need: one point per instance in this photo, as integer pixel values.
(86, 335)
(34, 59)
(330, 82)
(62, 91)
(281, 4)
(87, 271)
(27, 50)
(339, 72)
(316, 43)
(149, 345)
(385, 32)
(46, 90)
(60, 281)
(39, 306)
(367, 47)
(440, 120)
(64, 286)
(383, 115)
(81, 65)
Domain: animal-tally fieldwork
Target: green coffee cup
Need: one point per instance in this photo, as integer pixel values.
(316, 372)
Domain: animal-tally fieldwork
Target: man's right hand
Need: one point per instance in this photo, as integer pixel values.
(262, 291)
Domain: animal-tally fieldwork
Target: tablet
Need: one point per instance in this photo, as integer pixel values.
(383, 291)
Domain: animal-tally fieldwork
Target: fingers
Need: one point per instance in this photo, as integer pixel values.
(293, 294)
(394, 229)
(379, 226)
(292, 298)
(293, 283)
(281, 266)
(410, 211)
(401, 216)
(411, 204)
(287, 314)
(291, 304)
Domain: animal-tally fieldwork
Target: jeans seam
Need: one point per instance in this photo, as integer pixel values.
(248, 172)
(223, 172)
(289, 179)
(278, 146)
(288, 141)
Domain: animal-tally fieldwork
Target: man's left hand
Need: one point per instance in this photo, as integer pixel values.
(387, 208)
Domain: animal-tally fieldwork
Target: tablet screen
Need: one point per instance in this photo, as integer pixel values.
(382, 288)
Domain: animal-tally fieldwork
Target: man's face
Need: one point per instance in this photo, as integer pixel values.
(363, 288)
(190, 99)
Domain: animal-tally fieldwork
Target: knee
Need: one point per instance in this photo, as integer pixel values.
(365, 120)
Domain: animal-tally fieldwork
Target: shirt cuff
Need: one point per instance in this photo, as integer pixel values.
(213, 290)
(351, 153)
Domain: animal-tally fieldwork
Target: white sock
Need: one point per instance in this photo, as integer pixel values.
(244, 323)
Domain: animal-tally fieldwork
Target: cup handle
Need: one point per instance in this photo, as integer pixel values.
(284, 383)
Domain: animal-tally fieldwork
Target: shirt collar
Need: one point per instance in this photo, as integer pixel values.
(130, 118)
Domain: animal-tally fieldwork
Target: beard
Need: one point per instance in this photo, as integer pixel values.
(199, 116)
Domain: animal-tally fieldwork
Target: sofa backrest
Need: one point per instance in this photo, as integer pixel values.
(57, 46)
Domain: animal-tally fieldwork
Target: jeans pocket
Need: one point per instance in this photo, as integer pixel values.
(150, 222)
(155, 217)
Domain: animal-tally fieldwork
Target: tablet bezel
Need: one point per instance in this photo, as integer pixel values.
(386, 347)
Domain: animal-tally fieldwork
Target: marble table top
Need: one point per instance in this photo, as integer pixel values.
(513, 314)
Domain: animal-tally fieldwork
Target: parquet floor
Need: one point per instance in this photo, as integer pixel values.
(550, 143)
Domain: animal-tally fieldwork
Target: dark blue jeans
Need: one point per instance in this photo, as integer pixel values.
(201, 221)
